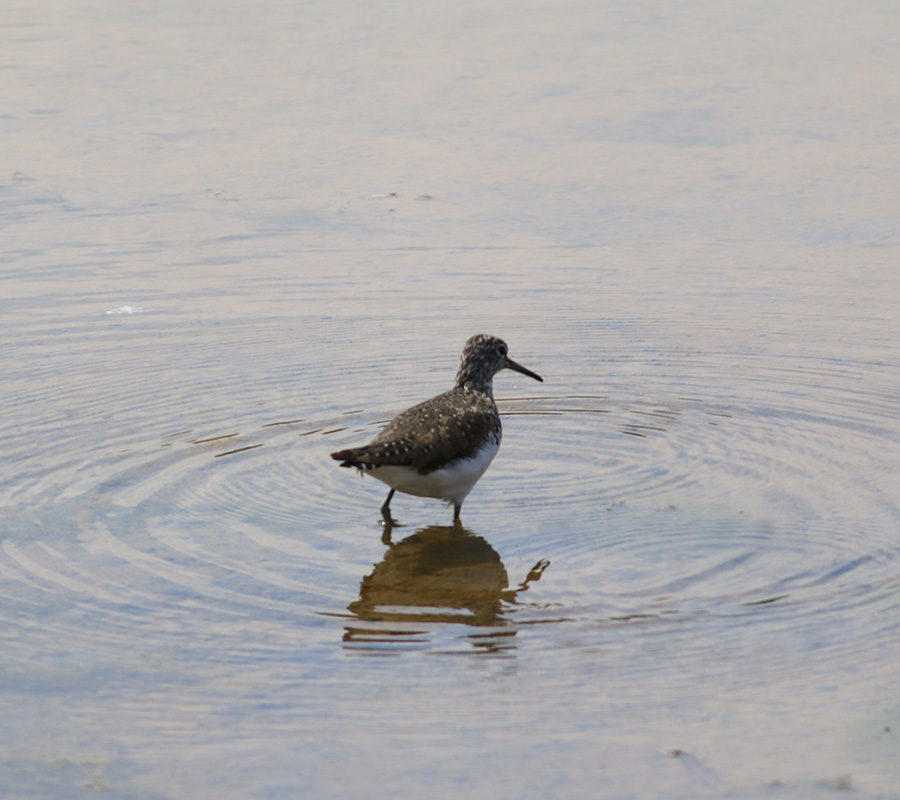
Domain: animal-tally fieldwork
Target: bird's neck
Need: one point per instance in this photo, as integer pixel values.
(472, 381)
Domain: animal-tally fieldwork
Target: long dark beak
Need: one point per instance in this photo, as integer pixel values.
(510, 364)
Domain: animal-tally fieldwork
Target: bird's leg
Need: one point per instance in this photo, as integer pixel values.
(386, 511)
(457, 507)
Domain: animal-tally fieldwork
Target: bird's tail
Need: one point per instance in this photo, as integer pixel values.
(369, 456)
(349, 458)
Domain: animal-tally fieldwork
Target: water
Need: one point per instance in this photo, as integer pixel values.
(239, 237)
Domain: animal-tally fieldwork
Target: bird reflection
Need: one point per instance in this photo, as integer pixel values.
(436, 575)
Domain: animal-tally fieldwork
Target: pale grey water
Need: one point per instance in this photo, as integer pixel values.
(237, 236)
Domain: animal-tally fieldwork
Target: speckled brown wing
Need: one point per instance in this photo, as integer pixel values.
(427, 436)
(451, 426)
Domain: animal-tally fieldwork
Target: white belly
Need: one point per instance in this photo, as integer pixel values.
(451, 483)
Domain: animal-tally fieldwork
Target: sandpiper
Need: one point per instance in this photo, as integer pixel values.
(440, 448)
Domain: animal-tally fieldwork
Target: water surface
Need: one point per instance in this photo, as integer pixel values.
(238, 238)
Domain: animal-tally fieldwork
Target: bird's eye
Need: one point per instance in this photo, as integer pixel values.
(502, 349)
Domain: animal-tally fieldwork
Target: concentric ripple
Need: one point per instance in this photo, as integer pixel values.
(771, 504)
(176, 531)
(719, 505)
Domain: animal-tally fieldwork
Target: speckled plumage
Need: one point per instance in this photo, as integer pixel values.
(440, 448)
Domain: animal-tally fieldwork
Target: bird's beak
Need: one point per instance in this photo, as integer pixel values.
(510, 364)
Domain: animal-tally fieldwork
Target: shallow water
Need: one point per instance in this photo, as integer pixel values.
(236, 239)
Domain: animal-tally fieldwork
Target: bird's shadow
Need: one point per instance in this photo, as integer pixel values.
(440, 574)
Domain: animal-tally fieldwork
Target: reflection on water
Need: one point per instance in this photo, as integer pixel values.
(437, 575)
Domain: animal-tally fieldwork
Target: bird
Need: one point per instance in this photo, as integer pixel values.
(441, 447)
